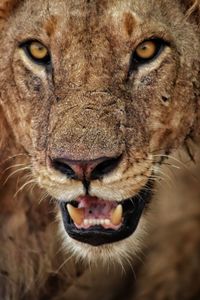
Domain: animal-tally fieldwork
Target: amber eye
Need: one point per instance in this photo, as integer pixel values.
(37, 52)
(148, 50)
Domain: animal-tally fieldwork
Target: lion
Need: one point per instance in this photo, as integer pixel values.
(95, 98)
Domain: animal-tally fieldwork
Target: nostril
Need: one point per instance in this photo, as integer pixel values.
(64, 168)
(105, 167)
(85, 169)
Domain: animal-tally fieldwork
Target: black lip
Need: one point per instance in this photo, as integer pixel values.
(97, 235)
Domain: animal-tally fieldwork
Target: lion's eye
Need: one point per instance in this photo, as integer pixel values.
(37, 52)
(147, 50)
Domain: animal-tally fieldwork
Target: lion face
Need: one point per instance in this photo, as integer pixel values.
(99, 92)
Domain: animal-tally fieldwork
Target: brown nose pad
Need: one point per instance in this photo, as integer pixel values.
(85, 169)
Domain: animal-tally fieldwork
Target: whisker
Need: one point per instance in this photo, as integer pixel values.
(171, 157)
(166, 176)
(14, 156)
(13, 166)
(32, 188)
(65, 261)
(43, 197)
(181, 164)
(15, 172)
(23, 186)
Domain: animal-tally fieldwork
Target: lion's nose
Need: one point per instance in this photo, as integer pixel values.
(86, 169)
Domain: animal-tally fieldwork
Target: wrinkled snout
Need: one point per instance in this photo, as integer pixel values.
(85, 128)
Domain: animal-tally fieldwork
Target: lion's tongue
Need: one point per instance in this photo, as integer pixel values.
(94, 211)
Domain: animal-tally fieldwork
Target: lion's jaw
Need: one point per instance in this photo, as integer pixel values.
(92, 102)
(125, 239)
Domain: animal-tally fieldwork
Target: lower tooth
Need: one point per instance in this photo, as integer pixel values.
(93, 222)
(107, 222)
(86, 222)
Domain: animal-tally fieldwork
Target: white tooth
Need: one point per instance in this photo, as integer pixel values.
(86, 222)
(90, 221)
(107, 222)
(102, 221)
(77, 214)
(116, 216)
(98, 222)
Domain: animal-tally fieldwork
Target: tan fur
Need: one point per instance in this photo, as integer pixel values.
(87, 107)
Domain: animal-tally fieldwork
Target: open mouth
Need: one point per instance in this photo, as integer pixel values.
(96, 221)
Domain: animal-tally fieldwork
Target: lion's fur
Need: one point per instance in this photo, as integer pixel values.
(33, 265)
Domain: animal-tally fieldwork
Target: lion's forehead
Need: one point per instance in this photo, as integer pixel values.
(115, 8)
(87, 16)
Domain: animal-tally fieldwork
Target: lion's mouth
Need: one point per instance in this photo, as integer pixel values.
(96, 221)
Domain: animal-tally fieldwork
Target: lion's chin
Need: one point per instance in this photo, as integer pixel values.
(97, 222)
(107, 255)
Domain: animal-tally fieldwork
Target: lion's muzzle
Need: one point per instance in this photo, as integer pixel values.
(96, 221)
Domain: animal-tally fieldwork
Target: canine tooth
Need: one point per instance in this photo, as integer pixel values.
(116, 217)
(77, 214)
